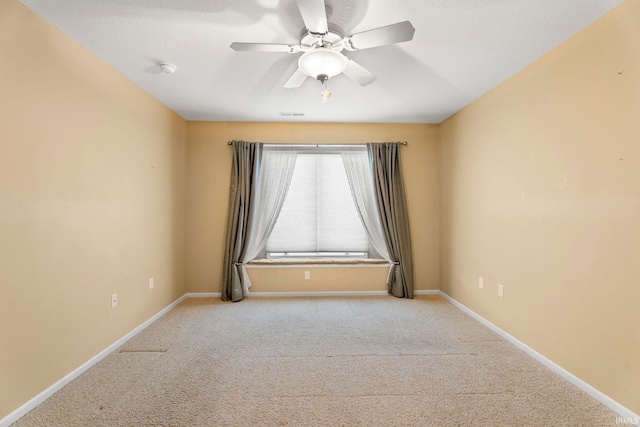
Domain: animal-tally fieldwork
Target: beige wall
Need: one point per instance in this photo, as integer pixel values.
(321, 279)
(541, 193)
(208, 175)
(92, 177)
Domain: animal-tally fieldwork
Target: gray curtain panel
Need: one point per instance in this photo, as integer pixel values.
(246, 161)
(392, 204)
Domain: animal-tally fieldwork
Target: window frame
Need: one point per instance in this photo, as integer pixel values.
(321, 149)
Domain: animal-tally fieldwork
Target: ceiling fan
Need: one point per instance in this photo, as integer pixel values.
(322, 44)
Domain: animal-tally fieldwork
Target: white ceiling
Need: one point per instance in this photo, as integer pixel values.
(461, 49)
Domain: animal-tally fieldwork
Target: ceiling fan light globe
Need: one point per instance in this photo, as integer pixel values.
(322, 60)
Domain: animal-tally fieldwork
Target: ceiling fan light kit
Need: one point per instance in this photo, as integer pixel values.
(322, 60)
(322, 44)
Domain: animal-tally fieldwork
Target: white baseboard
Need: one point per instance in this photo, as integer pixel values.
(318, 294)
(591, 391)
(426, 293)
(31, 404)
(333, 293)
(203, 295)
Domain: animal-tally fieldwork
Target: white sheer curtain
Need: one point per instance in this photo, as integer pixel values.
(274, 178)
(359, 174)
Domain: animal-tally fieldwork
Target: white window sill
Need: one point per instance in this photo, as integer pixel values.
(317, 262)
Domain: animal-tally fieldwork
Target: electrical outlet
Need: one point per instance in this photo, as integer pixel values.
(114, 300)
(480, 282)
(150, 282)
(307, 275)
(500, 291)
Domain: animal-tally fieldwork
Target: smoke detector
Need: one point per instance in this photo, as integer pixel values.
(165, 67)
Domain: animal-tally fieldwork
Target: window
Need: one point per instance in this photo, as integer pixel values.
(318, 217)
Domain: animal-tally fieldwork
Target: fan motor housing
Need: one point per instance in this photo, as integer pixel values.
(331, 40)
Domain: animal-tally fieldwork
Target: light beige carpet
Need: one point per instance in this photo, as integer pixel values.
(369, 361)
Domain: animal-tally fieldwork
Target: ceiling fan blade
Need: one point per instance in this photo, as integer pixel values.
(296, 79)
(390, 34)
(314, 15)
(264, 47)
(358, 73)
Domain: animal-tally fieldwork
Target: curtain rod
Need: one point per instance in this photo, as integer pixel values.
(404, 143)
